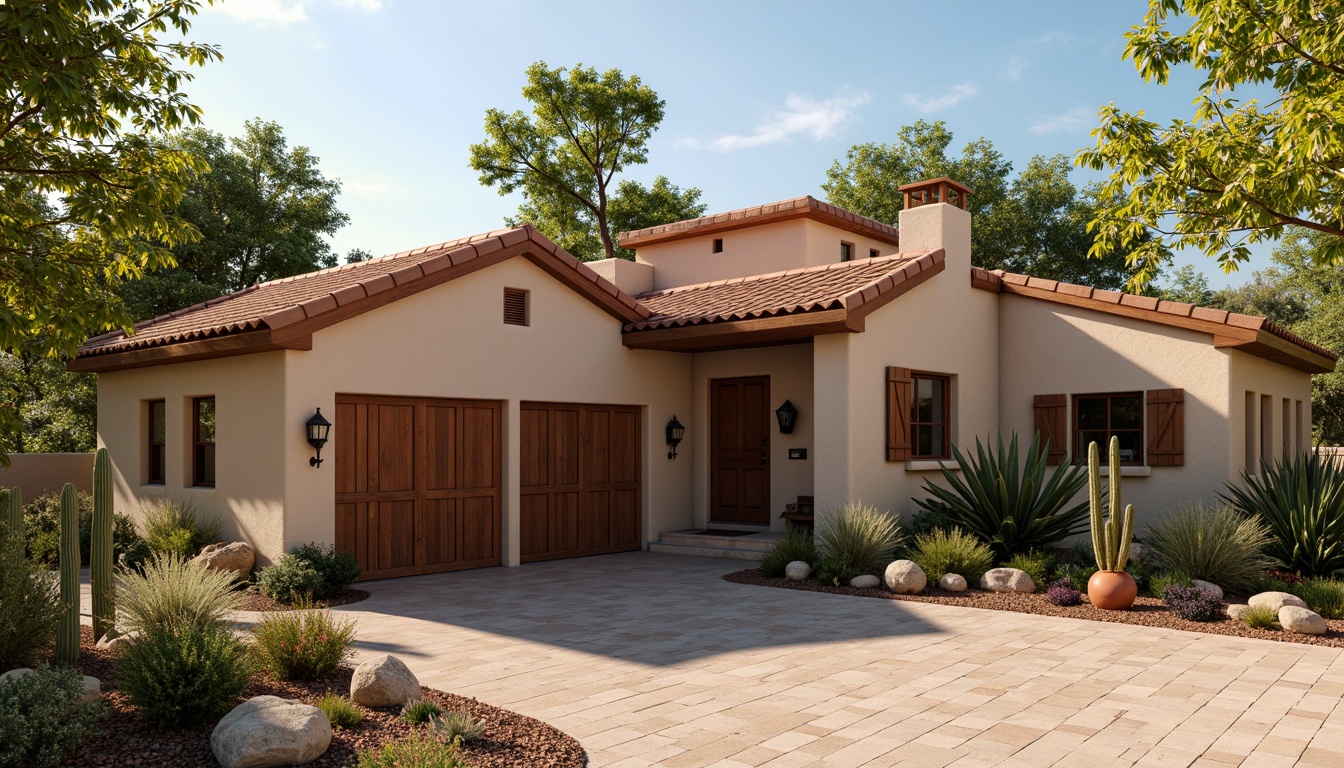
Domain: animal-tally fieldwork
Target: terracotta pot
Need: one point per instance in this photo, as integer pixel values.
(1112, 590)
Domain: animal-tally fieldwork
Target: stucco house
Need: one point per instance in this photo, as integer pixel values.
(494, 401)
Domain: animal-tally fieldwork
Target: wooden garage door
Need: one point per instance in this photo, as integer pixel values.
(580, 480)
(417, 484)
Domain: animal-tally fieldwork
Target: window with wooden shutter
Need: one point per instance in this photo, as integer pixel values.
(515, 307)
(1166, 427)
(898, 414)
(1052, 424)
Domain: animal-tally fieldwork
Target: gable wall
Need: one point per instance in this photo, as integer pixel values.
(1260, 378)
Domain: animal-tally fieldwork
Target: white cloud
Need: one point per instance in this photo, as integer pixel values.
(368, 6)
(284, 12)
(955, 95)
(1013, 68)
(800, 116)
(1075, 119)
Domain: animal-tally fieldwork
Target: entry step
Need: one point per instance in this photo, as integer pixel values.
(733, 545)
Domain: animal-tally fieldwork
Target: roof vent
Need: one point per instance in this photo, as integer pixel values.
(939, 190)
(515, 306)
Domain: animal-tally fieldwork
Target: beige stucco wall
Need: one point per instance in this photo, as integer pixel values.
(37, 474)
(252, 447)
(790, 371)
(1261, 378)
(630, 276)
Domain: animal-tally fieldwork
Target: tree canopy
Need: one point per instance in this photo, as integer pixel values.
(1035, 223)
(585, 128)
(1239, 172)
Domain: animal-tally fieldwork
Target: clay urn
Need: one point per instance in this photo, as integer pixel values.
(1112, 590)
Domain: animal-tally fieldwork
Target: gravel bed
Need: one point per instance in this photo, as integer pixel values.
(255, 601)
(510, 739)
(1147, 611)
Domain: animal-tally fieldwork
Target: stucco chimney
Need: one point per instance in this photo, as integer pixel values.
(935, 216)
(630, 276)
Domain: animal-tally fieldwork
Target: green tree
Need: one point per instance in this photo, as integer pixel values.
(585, 128)
(1035, 223)
(57, 409)
(1189, 286)
(1238, 173)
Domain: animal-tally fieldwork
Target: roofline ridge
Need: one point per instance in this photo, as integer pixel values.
(803, 201)
(894, 257)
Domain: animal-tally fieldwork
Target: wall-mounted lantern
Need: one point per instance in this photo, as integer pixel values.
(319, 429)
(675, 431)
(788, 416)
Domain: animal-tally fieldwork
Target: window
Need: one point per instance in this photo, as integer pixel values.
(1288, 445)
(203, 441)
(157, 473)
(872, 253)
(1267, 428)
(515, 307)
(846, 251)
(929, 416)
(1303, 431)
(718, 245)
(1099, 417)
(1252, 445)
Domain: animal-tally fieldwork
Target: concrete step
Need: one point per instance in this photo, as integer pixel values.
(751, 542)
(703, 551)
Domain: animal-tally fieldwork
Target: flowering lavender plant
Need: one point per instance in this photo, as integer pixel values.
(1061, 592)
(1192, 603)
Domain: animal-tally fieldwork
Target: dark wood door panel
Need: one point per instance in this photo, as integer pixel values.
(740, 450)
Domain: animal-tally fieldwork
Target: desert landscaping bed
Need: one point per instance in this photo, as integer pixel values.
(255, 601)
(1147, 611)
(510, 739)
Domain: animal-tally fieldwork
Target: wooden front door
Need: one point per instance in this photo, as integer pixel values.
(739, 451)
(580, 480)
(417, 484)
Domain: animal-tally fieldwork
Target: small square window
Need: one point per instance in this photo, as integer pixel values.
(515, 307)
(157, 472)
(872, 253)
(846, 251)
(718, 245)
(930, 416)
(203, 441)
(1098, 418)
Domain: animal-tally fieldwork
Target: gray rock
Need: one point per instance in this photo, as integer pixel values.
(1236, 609)
(117, 643)
(14, 674)
(1276, 600)
(237, 556)
(953, 582)
(1007, 580)
(267, 731)
(93, 690)
(1301, 620)
(905, 577)
(866, 581)
(797, 570)
(384, 681)
(1208, 586)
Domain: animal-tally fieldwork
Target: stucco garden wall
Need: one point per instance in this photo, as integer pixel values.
(1260, 378)
(37, 474)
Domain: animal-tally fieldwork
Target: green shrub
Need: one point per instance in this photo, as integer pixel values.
(306, 644)
(1324, 596)
(338, 569)
(942, 551)
(1081, 554)
(833, 571)
(289, 580)
(456, 727)
(1038, 566)
(172, 592)
(420, 711)
(1302, 500)
(30, 604)
(414, 751)
(1010, 503)
(1217, 544)
(1158, 583)
(1141, 572)
(42, 527)
(924, 522)
(41, 719)
(1267, 582)
(797, 544)
(1076, 575)
(858, 537)
(185, 677)
(1260, 617)
(174, 527)
(341, 712)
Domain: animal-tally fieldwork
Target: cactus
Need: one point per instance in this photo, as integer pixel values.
(1110, 537)
(67, 632)
(100, 549)
(13, 511)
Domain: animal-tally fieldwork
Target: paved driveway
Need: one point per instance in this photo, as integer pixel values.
(652, 659)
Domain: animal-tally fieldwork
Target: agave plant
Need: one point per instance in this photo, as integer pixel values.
(1006, 499)
(1302, 500)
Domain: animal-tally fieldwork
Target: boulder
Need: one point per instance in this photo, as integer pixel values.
(797, 570)
(1302, 620)
(383, 681)
(236, 556)
(904, 577)
(1007, 580)
(1208, 586)
(953, 582)
(113, 643)
(93, 690)
(1236, 609)
(15, 674)
(1276, 600)
(866, 581)
(267, 731)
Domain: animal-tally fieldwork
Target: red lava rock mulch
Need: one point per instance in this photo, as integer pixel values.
(255, 601)
(510, 740)
(1147, 611)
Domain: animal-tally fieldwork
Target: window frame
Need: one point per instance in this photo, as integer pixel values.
(1080, 449)
(161, 445)
(915, 423)
(717, 247)
(873, 253)
(846, 251)
(198, 446)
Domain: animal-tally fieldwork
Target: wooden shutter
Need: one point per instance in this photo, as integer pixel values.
(515, 306)
(898, 414)
(1052, 424)
(1166, 427)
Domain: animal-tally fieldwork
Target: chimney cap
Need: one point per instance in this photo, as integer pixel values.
(939, 190)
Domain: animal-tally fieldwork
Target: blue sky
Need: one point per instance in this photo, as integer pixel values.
(761, 97)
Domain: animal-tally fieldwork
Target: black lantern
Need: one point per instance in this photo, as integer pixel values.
(675, 431)
(788, 416)
(318, 430)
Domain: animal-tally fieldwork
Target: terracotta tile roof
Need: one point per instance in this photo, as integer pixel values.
(799, 207)
(280, 303)
(843, 285)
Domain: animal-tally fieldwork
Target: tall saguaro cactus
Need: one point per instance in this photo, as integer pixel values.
(100, 547)
(1111, 537)
(13, 509)
(67, 632)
